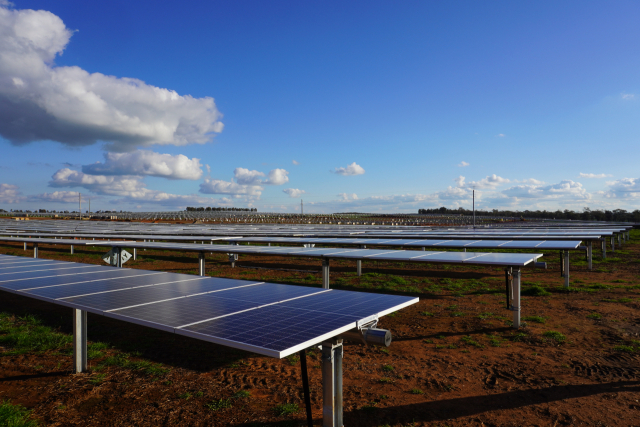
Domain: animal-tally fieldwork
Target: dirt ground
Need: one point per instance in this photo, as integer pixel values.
(455, 359)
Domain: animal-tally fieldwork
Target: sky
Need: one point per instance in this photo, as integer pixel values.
(360, 106)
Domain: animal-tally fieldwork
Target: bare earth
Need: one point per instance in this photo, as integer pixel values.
(455, 361)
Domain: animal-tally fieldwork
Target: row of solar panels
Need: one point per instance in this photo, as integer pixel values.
(266, 318)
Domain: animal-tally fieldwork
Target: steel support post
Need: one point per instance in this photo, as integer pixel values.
(619, 240)
(325, 273)
(590, 254)
(508, 278)
(613, 244)
(71, 249)
(201, 263)
(135, 254)
(25, 246)
(79, 341)
(604, 248)
(35, 250)
(515, 305)
(359, 262)
(332, 353)
(566, 268)
(118, 252)
(232, 260)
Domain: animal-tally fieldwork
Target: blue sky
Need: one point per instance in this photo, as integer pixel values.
(351, 106)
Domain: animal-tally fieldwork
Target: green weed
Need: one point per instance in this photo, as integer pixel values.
(285, 409)
(594, 316)
(216, 405)
(555, 336)
(15, 416)
(535, 319)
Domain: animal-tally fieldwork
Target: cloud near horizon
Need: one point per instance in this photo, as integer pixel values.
(43, 102)
(594, 175)
(294, 193)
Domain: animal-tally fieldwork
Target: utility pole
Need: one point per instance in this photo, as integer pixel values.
(301, 208)
(89, 207)
(79, 206)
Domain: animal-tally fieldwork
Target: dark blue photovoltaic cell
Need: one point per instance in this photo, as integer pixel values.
(506, 259)
(23, 261)
(106, 273)
(361, 253)
(184, 311)
(268, 293)
(93, 286)
(193, 285)
(559, 245)
(21, 267)
(358, 304)
(37, 268)
(274, 327)
(4, 278)
(452, 257)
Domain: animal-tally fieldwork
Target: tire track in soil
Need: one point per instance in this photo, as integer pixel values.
(612, 366)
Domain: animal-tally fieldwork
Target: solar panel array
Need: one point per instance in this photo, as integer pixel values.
(266, 318)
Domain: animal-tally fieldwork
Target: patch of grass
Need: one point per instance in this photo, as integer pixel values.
(186, 395)
(426, 313)
(535, 291)
(216, 405)
(386, 380)
(285, 409)
(15, 416)
(97, 379)
(457, 314)
(121, 360)
(594, 316)
(483, 316)
(241, 394)
(26, 334)
(416, 391)
(469, 341)
(555, 336)
(388, 368)
(293, 359)
(624, 348)
(518, 337)
(95, 350)
(535, 319)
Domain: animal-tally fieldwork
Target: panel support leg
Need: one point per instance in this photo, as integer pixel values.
(604, 248)
(613, 244)
(590, 254)
(79, 341)
(332, 353)
(71, 249)
(118, 253)
(619, 240)
(325, 273)
(232, 260)
(515, 306)
(135, 254)
(508, 277)
(566, 268)
(25, 246)
(35, 250)
(201, 263)
(359, 267)
(305, 386)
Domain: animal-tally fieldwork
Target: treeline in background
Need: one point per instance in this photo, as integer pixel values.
(587, 214)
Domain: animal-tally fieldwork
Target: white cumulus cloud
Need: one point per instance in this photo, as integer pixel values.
(348, 197)
(56, 197)
(115, 185)
(10, 193)
(463, 164)
(594, 175)
(144, 162)
(293, 192)
(41, 101)
(218, 186)
(352, 169)
(247, 177)
(624, 188)
(565, 190)
(277, 177)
